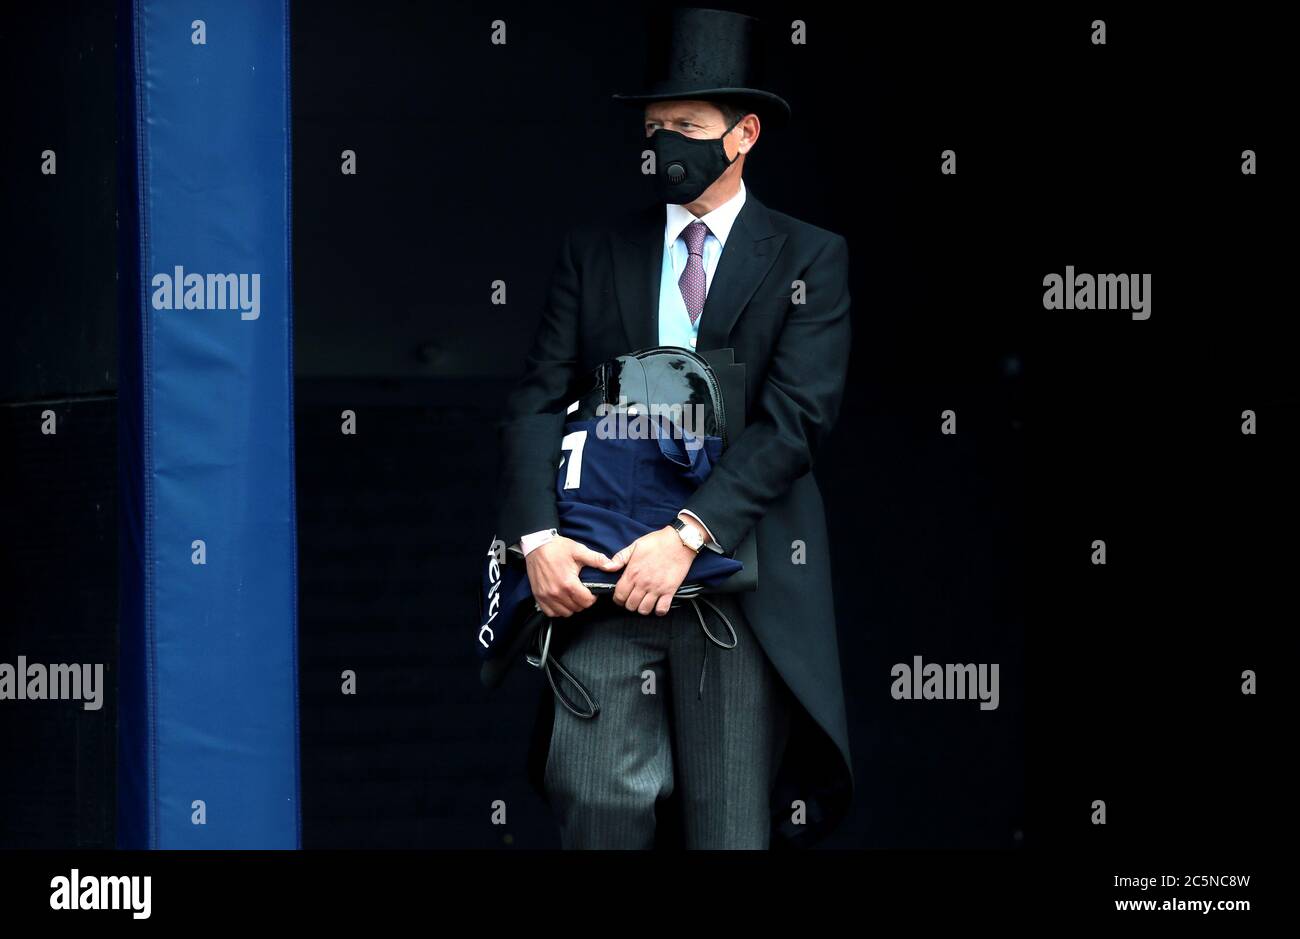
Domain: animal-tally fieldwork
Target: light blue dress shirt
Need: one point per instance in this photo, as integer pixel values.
(675, 327)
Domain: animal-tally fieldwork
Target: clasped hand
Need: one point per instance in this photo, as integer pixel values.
(653, 566)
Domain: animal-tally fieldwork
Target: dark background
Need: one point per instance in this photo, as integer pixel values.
(1119, 683)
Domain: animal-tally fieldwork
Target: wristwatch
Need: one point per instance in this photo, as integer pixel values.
(691, 536)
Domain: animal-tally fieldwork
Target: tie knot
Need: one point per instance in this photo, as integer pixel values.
(694, 237)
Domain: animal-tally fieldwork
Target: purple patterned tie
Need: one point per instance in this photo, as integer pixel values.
(692, 280)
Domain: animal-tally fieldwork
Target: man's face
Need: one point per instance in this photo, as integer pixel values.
(701, 119)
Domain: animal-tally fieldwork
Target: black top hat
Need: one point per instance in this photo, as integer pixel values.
(705, 54)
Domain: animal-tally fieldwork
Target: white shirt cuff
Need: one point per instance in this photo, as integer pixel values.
(533, 540)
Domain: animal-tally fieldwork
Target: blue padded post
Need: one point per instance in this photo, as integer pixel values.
(208, 691)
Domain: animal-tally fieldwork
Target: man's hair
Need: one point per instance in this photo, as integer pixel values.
(732, 111)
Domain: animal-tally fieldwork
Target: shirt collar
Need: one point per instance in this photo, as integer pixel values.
(719, 220)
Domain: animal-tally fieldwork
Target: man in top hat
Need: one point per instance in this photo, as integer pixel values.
(756, 754)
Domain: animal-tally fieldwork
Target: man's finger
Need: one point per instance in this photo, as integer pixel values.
(577, 596)
(647, 604)
(595, 559)
(559, 602)
(621, 589)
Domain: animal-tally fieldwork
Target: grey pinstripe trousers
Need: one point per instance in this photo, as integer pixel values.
(717, 741)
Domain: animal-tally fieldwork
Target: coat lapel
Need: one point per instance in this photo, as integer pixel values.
(751, 249)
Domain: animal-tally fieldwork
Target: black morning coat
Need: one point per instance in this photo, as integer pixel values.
(603, 301)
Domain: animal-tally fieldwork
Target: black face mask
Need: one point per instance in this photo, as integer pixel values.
(686, 166)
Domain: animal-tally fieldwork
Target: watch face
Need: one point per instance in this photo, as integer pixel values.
(692, 537)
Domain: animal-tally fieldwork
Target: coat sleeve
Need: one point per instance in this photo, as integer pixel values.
(796, 409)
(531, 430)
